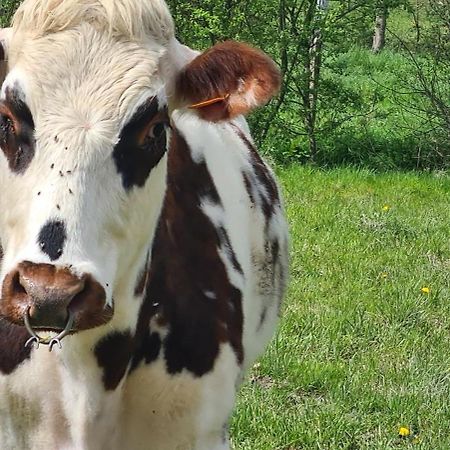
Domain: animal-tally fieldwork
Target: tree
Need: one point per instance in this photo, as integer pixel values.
(7, 8)
(379, 37)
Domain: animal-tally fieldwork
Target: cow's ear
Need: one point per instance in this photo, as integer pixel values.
(227, 80)
(4, 38)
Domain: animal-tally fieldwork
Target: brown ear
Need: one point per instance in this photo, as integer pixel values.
(227, 80)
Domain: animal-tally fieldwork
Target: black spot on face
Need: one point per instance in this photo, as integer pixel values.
(52, 238)
(142, 144)
(113, 354)
(16, 131)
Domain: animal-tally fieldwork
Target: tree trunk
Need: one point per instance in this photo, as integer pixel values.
(315, 63)
(416, 16)
(379, 37)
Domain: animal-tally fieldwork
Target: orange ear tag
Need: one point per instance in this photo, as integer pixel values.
(209, 102)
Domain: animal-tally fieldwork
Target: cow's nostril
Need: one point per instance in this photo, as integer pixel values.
(49, 290)
(16, 285)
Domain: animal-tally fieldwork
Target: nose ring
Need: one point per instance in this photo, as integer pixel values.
(35, 340)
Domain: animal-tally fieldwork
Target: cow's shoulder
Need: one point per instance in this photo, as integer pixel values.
(189, 293)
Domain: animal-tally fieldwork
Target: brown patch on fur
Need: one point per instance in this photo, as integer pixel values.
(12, 347)
(240, 74)
(113, 354)
(3, 70)
(142, 280)
(185, 268)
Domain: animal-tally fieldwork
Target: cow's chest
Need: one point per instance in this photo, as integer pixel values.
(43, 408)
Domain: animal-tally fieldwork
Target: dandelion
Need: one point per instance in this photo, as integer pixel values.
(404, 432)
(425, 290)
(384, 275)
(386, 208)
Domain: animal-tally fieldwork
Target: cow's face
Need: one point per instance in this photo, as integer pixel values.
(82, 170)
(83, 137)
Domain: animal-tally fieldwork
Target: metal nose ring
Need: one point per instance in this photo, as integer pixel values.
(35, 340)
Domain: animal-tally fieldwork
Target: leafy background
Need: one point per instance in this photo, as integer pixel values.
(341, 103)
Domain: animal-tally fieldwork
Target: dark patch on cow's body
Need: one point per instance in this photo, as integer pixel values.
(52, 238)
(113, 354)
(148, 349)
(16, 131)
(186, 266)
(226, 244)
(12, 346)
(138, 152)
(259, 184)
(248, 187)
(142, 279)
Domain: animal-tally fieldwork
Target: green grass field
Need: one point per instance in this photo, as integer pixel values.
(363, 349)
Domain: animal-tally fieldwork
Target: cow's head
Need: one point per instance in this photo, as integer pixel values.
(84, 128)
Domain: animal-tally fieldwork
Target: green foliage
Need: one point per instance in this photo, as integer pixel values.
(339, 104)
(7, 7)
(367, 105)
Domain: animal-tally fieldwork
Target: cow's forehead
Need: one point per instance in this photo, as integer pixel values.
(81, 78)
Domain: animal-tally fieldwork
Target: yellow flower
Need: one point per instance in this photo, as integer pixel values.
(386, 208)
(404, 432)
(384, 275)
(426, 290)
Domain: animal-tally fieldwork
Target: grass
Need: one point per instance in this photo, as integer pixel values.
(361, 351)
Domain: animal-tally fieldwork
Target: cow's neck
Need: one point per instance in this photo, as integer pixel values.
(94, 364)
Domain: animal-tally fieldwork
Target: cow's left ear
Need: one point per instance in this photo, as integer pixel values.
(227, 80)
(4, 38)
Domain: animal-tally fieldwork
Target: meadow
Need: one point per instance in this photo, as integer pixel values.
(362, 355)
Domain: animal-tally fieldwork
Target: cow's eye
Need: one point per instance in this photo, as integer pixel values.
(156, 131)
(7, 128)
(155, 136)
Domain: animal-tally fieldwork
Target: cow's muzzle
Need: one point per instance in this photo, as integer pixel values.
(43, 297)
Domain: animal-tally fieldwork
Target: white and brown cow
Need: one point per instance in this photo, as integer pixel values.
(137, 215)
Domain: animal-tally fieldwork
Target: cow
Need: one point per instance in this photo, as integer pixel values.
(143, 237)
